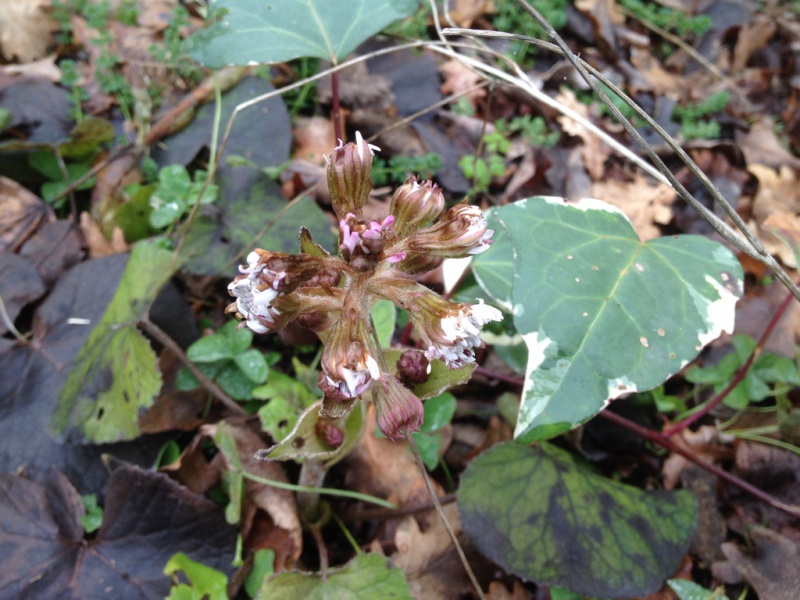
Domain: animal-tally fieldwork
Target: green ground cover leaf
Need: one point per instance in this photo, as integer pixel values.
(604, 314)
(365, 577)
(540, 515)
(384, 315)
(116, 373)
(253, 31)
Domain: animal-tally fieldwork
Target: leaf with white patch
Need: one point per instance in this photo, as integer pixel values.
(604, 314)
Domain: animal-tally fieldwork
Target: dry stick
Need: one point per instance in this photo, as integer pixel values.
(764, 256)
(740, 374)
(664, 441)
(413, 445)
(160, 336)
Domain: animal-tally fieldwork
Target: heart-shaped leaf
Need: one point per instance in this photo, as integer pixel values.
(255, 31)
(494, 271)
(538, 514)
(603, 313)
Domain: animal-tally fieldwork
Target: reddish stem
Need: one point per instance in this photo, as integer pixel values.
(740, 374)
(336, 110)
(663, 440)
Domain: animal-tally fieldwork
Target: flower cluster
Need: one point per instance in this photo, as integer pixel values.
(334, 294)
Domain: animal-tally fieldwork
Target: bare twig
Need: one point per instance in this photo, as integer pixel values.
(162, 338)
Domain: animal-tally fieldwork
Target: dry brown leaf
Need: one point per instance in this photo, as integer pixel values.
(314, 137)
(97, 243)
(25, 29)
(761, 146)
(459, 79)
(772, 567)
(775, 209)
(278, 503)
(703, 443)
(173, 409)
(650, 76)
(594, 151)
(497, 591)
(756, 309)
(21, 213)
(646, 203)
(753, 36)
(464, 12)
(428, 559)
(44, 68)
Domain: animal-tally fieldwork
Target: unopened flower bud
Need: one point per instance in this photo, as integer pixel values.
(329, 433)
(350, 176)
(398, 410)
(416, 205)
(461, 232)
(412, 368)
(347, 363)
(414, 263)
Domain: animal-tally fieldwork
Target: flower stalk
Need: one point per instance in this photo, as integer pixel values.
(333, 295)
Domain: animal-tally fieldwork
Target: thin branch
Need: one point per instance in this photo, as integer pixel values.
(445, 522)
(162, 338)
(664, 441)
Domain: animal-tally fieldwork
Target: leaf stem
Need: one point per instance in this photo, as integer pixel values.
(413, 445)
(664, 441)
(166, 341)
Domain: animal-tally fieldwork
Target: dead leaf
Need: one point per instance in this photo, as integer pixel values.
(650, 76)
(279, 504)
(775, 209)
(460, 79)
(97, 243)
(21, 213)
(464, 12)
(25, 29)
(594, 151)
(314, 138)
(703, 443)
(772, 567)
(753, 36)
(429, 560)
(497, 591)
(44, 68)
(761, 145)
(646, 203)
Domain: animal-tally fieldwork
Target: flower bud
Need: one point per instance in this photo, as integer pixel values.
(412, 368)
(350, 176)
(416, 205)
(398, 410)
(414, 264)
(347, 363)
(461, 232)
(329, 433)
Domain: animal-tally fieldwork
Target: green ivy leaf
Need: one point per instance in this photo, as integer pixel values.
(494, 271)
(252, 31)
(604, 314)
(538, 514)
(365, 577)
(116, 373)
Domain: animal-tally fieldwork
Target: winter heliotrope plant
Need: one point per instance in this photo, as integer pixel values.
(333, 295)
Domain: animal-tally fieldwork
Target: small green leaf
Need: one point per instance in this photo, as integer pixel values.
(384, 314)
(366, 577)
(540, 515)
(604, 314)
(235, 383)
(278, 418)
(116, 374)
(263, 565)
(210, 348)
(205, 582)
(428, 445)
(689, 590)
(253, 364)
(283, 386)
(440, 379)
(252, 31)
(93, 518)
(439, 411)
